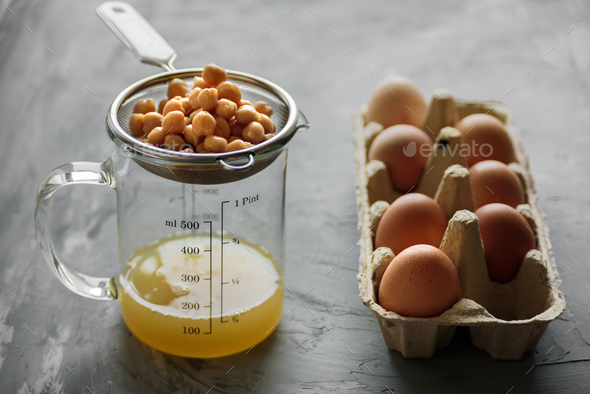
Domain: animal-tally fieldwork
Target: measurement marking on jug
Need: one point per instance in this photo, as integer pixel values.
(190, 250)
(190, 278)
(191, 306)
(184, 224)
(247, 200)
(221, 271)
(210, 306)
(191, 330)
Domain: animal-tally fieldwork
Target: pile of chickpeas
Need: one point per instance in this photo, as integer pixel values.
(210, 118)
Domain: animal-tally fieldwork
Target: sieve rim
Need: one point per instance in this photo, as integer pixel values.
(150, 153)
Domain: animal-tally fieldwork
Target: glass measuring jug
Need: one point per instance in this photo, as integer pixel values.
(201, 236)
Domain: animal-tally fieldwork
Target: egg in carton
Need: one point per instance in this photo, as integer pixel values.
(504, 319)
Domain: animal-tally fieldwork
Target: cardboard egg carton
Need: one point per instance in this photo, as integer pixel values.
(504, 319)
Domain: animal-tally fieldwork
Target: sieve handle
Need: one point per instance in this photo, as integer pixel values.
(137, 34)
(98, 288)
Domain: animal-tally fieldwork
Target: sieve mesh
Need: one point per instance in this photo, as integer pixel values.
(202, 168)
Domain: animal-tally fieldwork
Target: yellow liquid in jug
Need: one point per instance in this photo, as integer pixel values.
(172, 301)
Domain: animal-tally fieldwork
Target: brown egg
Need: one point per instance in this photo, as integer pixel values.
(404, 149)
(396, 100)
(485, 138)
(506, 238)
(419, 282)
(412, 219)
(493, 181)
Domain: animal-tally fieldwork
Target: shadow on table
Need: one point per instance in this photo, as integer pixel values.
(144, 369)
(461, 367)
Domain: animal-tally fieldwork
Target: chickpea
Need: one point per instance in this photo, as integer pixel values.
(172, 105)
(136, 125)
(191, 137)
(247, 114)
(244, 102)
(233, 138)
(267, 137)
(194, 113)
(156, 136)
(226, 108)
(186, 105)
(200, 83)
(208, 98)
(269, 126)
(204, 124)
(173, 142)
(151, 120)
(201, 148)
(230, 91)
(253, 132)
(173, 122)
(161, 105)
(222, 129)
(214, 143)
(213, 74)
(177, 87)
(237, 144)
(144, 106)
(263, 108)
(188, 150)
(187, 121)
(236, 128)
(193, 98)
(142, 139)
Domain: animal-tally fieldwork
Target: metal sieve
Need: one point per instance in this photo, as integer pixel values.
(194, 168)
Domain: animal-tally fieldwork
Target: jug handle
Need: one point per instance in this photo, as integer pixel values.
(98, 288)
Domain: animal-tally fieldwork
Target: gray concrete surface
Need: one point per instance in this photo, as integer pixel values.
(60, 67)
